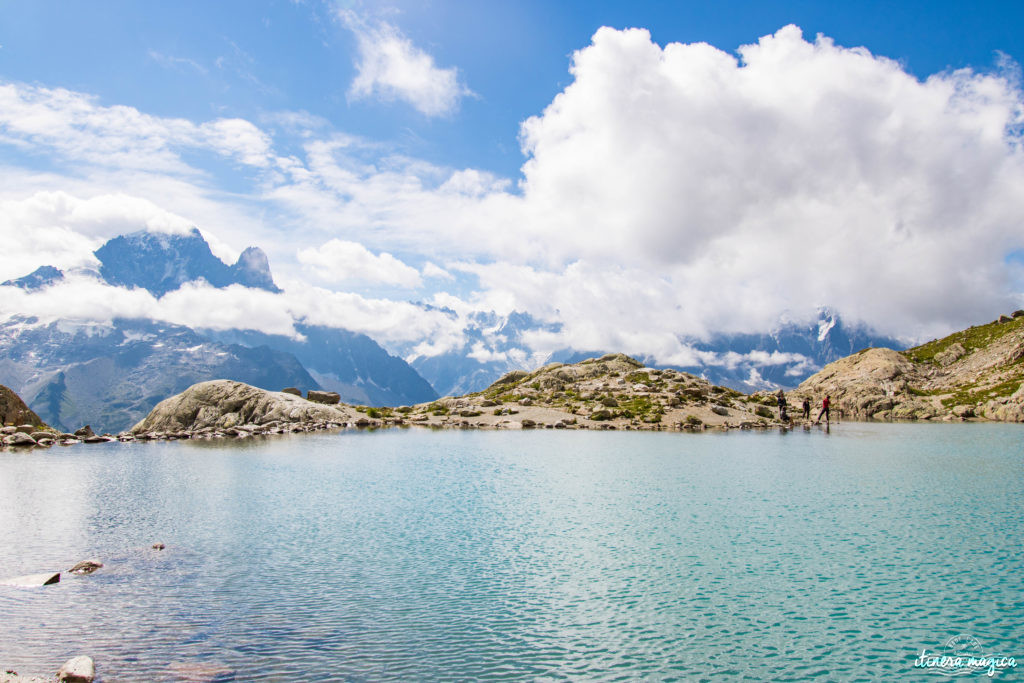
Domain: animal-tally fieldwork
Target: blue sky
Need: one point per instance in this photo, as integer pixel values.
(634, 186)
(200, 59)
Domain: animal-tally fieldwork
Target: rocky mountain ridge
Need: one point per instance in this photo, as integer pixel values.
(110, 374)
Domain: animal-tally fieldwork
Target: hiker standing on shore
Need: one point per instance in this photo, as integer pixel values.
(807, 408)
(824, 410)
(781, 398)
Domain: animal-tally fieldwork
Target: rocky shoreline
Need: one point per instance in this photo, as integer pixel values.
(80, 669)
(973, 375)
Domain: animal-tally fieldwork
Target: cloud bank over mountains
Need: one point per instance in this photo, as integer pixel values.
(667, 193)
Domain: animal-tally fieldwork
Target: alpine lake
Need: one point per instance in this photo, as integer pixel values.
(867, 552)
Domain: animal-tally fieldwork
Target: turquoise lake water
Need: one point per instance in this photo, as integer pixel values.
(421, 555)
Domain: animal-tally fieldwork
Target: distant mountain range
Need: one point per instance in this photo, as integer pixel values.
(111, 375)
(351, 364)
(745, 362)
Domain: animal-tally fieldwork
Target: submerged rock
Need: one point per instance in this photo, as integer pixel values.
(86, 567)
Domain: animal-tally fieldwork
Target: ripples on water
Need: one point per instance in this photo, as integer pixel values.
(463, 555)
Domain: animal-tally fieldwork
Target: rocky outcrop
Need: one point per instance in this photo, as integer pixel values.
(223, 404)
(973, 374)
(13, 410)
(867, 384)
(610, 392)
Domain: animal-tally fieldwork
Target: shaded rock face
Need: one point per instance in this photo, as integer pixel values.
(326, 397)
(220, 404)
(14, 411)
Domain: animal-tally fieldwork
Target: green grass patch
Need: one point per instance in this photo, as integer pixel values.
(972, 338)
(437, 409)
(972, 395)
(638, 378)
(640, 406)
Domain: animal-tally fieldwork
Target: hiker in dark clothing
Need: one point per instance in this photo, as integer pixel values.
(781, 399)
(807, 409)
(824, 410)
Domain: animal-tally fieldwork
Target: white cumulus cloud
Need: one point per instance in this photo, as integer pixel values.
(344, 261)
(668, 192)
(391, 67)
(800, 174)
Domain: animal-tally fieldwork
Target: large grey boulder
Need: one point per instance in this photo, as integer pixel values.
(952, 354)
(77, 670)
(327, 397)
(221, 403)
(19, 439)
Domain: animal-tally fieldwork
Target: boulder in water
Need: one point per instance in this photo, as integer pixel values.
(77, 670)
(86, 567)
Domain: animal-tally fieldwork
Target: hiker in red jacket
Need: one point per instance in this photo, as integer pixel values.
(824, 410)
